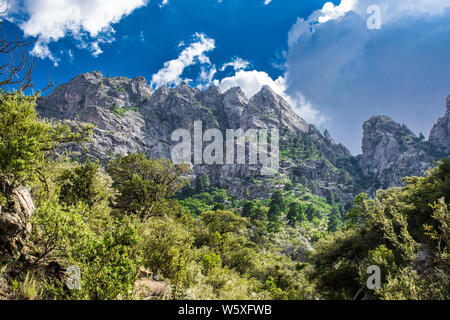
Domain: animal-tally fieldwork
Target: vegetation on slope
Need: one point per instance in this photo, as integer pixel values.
(138, 215)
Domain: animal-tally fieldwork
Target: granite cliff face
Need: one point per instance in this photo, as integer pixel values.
(15, 222)
(440, 134)
(130, 117)
(391, 151)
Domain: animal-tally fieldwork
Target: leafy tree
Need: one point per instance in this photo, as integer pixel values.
(143, 184)
(331, 197)
(294, 213)
(202, 184)
(276, 207)
(108, 266)
(391, 231)
(421, 136)
(167, 250)
(25, 140)
(357, 214)
(311, 212)
(253, 211)
(83, 183)
(248, 209)
(334, 220)
(223, 221)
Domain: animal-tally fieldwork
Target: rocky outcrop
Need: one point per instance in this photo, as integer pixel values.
(440, 133)
(391, 151)
(15, 225)
(130, 117)
(70, 100)
(112, 104)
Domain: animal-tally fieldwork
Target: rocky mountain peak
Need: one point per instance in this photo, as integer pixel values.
(267, 97)
(273, 110)
(130, 117)
(186, 91)
(90, 76)
(440, 133)
(213, 90)
(267, 91)
(383, 125)
(327, 137)
(235, 95)
(234, 102)
(392, 151)
(161, 92)
(379, 144)
(93, 90)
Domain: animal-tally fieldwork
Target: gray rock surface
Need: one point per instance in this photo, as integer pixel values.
(391, 151)
(15, 224)
(440, 133)
(130, 117)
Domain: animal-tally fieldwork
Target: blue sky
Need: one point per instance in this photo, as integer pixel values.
(322, 57)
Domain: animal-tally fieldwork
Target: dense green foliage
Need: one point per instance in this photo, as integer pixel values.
(121, 112)
(143, 185)
(24, 141)
(137, 215)
(404, 231)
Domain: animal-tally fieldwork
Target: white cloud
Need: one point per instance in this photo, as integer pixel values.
(205, 79)
(172, 71)
(42, 51)
(328, 12)
(391, 11)
(266, 2)
(251, 83)
(332, 12)
(343, 68)
(50, 20)
(3, 7)
(95, 49)
(237, 64)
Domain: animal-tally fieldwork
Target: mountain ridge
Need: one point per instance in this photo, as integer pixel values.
(130, 117)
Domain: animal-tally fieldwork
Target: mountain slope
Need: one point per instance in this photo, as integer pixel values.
(391, 151)
(440, 133)
(130, 118)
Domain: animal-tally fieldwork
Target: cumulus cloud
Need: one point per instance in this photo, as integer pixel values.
(394, 10)
(50, 20)
(343, 68)
(237, 64)
(266, 2)
(42, 51)
(205, 79)
(391, 12)
(193, 54)
(332, 12)
(251, 83)
(95, 49)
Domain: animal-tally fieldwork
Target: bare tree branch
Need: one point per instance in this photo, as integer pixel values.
(16, 65)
